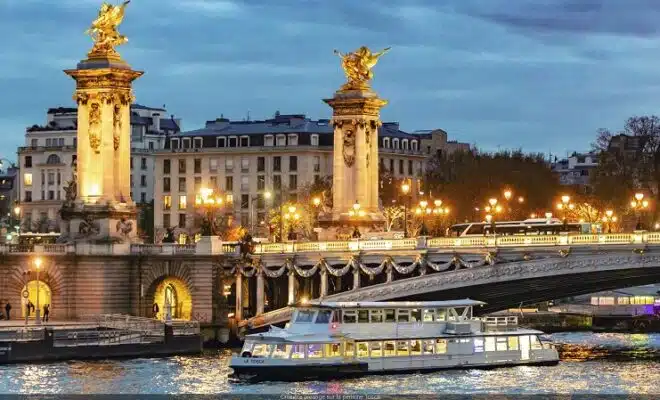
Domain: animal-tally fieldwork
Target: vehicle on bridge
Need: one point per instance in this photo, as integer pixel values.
(330, 340)
(532, 226)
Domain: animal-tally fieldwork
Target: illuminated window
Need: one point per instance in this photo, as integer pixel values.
(167, 202)
(402, 348)
(282, 351)
(362, 349)
(389, 349)
(333, 350)
(376, 349)
(171, 299)
(415, 347)
(27, 179)
(314, 351)
(349, 350)
(183, 202)
(513, 342)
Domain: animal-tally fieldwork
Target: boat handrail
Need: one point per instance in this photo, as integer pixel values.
(500, 322)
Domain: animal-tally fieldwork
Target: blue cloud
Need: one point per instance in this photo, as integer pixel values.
(543, 76)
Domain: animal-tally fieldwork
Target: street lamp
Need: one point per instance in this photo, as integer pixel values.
(564, 206)
(290, 215)
(638, 204)
(609, 218)
(37, 265)
(438, 210)
(548, 216)
(507, 195)
(356, 212)
(423, 210)
(405, 189)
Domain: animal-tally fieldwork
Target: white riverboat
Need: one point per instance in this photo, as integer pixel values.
(329, 340)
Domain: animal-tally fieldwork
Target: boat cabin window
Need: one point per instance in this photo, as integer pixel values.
(415, 315)
(428, 315)
(282, 351)
(402, 348)
(305, 316)
(389, 349)
(415, 347)
(500, 344)
(376, 316)
(349, 350)
(298, 351)
(440, 346)
(350, 317)
(247, 346)
(513, 342)
(478, 345)
(490, 344)
(428, 346)
(362, 349)
(314, 350)
(336, 316)
(363, 316)
(376, 349)
(536, 344)
(441, 314)
(333, 350)
(390, 315)
(402, 315)
(262, 350)
(323, 317)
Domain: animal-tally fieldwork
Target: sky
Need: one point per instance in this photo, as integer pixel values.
(541, 75)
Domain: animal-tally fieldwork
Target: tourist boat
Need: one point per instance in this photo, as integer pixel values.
(330, 340)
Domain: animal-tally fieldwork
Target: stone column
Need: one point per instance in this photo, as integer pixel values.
(324, 282)
(292, 286)
(239, 296)
(260, 292)
(338, 287)
(390, 273)
(356, 278)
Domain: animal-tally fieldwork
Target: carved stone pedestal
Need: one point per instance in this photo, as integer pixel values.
(100, 222)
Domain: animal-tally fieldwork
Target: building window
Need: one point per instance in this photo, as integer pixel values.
(245, 141)
(182, 166)
(198, 143)
(293, 182)
(51, 178)
(151, 145)
(143, 197)
(386, 143)
(166, 220)
(245, 201)
(183, 202)
(213, 182)
(244, 219)
(229, 183)
(174, 143)
(28, 196)
(317, 164)
(315, 140)
(245, 183)
(166, 166)
(27, 179)
(413, 145)
(293, 197)
(395, 144)
(182, 184)
(143, 163)
(166, 184)
(34, 142)
(229, 164)
(245, 164)
(53, 159)
(58, 194)
(28, 162)
(186, 143)
(59, 178)
(281, 140)
(182, 220)
(167, 202)
(277, 163)
(198, 166)
(404, 144)
(233, 141)
(268, 140)
(392, 166)
(143, 180)
(213, 165)
(221, 142)
(198, 184)
(277, 182)
(261, 182)
(410, 167)
(51, 195)
(293, 163)
(261, 164)
(293, 140)
(400, 166)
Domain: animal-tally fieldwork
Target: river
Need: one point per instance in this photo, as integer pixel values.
(591, 363)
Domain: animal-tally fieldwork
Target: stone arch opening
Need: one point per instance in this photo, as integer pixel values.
(45, 296)
(173, 290)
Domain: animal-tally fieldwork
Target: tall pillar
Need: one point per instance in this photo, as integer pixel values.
(356, 120)
(260, 292)
(292, 286)
(390, 273)
(324, 283)
(102, 207)
(238, 313)
(356, 279)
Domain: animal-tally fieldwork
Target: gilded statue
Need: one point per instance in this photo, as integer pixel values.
(348, 150)
(357, 67)
(104, 30)
(116, 116)
(95, 127)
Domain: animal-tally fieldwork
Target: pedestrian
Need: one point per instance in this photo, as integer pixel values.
(46, 312)
(31, 306)
(155, 310)
(7, 309)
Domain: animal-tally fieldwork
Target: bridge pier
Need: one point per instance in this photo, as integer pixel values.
(356, 279)
(324, 283)
(238, 314)
(390, 274)
(260, 292)
(292, 287)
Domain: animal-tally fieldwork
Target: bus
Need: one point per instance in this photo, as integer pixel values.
(532, 226)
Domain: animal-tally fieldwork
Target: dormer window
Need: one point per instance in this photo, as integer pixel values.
(395, 144)
(197, 142)
(245, 141)
(404, 144)
(186, 143)
(281, 140)
(386, 143)
(315, 140)
(233, 141)
(269, 141)
(221, 142)
(174, 143)
(413, 145)
(293, 140)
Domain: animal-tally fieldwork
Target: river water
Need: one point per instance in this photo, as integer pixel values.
(591, 363)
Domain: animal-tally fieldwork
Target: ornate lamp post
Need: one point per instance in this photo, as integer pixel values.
(356, 212)
(423, 210)
(266, 196)
(564, 206)
(209, 205)
(37, 265)
(292, 215)
(405, 189)
(638, 204)
(438, 210)
(609, 218)
(494, 208)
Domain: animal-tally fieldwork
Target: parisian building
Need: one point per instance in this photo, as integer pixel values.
(48, 159)
(576, 171)
(242, 160)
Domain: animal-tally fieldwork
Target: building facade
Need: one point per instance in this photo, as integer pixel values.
(576, 170)
(242, 160)
(47, 162)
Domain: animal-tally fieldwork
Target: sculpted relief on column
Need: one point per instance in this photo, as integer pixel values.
(349, 130)
(94, 130)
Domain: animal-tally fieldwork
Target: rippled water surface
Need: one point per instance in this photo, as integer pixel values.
(591, 363)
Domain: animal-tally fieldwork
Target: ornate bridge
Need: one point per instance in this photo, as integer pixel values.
(503, 271)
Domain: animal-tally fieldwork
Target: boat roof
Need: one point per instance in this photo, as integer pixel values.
(392, 304)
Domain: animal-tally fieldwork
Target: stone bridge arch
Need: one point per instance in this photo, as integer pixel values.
(172, 280)
(50, 274)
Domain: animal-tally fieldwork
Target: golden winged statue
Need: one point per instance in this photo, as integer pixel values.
(104, 29)
(357, 67)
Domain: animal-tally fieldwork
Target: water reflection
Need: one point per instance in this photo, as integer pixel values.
(591, 363)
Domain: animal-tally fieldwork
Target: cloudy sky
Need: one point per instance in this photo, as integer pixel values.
(543, 75)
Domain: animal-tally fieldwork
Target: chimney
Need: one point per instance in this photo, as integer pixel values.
(156, 121)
